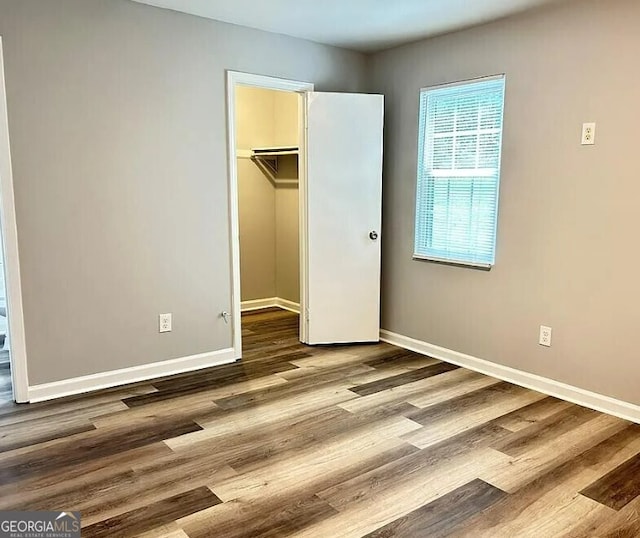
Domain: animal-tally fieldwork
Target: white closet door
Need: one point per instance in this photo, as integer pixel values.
(344, 194)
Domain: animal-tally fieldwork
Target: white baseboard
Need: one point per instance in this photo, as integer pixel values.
(288, 305)
(103, 380)
(271, 302)
(586, 398)
(258, 304)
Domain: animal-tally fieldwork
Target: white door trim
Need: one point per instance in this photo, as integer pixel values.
(270, 83)
(13, 284)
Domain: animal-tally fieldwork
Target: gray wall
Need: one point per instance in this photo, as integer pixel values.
(568, 222)
(118, 132)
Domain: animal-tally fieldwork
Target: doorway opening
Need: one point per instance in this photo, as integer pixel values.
(339, 163)
(267, 186)
(267, 149)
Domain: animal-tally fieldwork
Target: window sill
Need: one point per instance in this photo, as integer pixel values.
(455, 263)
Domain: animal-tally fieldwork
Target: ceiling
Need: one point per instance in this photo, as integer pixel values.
(364, 25)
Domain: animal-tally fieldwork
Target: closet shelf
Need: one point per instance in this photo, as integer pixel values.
(268, 157)
(276, 151)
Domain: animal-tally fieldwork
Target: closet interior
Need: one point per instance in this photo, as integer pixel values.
(267, 131)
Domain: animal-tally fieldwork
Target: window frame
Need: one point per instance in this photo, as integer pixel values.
(422, 157)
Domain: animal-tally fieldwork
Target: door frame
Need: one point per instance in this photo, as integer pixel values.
(237, 78)
(13, 285)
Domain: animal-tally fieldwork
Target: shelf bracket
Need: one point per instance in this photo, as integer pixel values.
(270, 162)
(267, 159)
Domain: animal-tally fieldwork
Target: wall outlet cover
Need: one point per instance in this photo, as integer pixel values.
(588, 134)
(545, 336)
(164, 323)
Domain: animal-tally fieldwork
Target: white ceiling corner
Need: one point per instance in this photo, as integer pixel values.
(363, 25)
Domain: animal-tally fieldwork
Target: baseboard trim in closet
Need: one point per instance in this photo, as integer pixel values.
(288, 305)
(270, 302)
(570, 393)
(257, 304)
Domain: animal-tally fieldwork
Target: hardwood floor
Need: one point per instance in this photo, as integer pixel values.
(333, 441)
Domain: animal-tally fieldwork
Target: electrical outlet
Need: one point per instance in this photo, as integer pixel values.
(164, 323)
(545, 336)
(588, 134)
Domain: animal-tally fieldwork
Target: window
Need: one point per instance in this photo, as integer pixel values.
(459, 143)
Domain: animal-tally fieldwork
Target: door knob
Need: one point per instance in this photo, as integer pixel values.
(373, 235)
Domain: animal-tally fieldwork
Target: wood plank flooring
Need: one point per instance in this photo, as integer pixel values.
(329, 441)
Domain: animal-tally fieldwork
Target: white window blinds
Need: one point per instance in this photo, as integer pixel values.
(459, 144)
